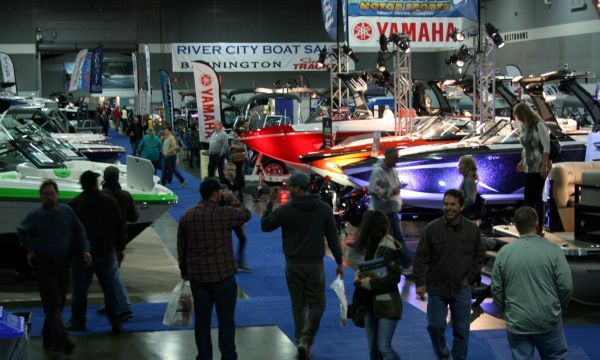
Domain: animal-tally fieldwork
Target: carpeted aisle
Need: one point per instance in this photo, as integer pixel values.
(269, 304)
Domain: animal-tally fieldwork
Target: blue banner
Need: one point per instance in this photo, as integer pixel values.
(415, 8)
(330, 18)
(96, 71)
(167, 95)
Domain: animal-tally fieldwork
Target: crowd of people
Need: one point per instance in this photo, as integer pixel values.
(531, 280)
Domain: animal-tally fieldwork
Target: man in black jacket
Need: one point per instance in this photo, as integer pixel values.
(129, 213)
(304, 221)
(101, 217)
(448, 260)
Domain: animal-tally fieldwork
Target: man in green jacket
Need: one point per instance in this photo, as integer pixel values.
(531, 282)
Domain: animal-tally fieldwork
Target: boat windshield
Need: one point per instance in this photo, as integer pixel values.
(34, 144)
(441, 128)
(498, 132)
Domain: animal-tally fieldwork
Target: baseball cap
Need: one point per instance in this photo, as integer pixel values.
(300, 180)
(88, 177)
(111, 174)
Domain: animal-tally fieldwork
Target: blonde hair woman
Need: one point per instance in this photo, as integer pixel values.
(535, 157)
(468, 169)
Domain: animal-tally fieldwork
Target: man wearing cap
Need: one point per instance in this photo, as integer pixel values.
(51, 234)
(304, 221)
(205, 255)
(129, 213)
(101, 217)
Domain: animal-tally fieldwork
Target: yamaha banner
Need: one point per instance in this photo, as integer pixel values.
(96, 71)
(8, 73)
(415, 8)
(330, 17)
(425, 33)
(76, 75)
(208, 98)
(167, 95)
(248, 57)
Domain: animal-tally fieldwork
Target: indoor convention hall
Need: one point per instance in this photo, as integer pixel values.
(316, 179)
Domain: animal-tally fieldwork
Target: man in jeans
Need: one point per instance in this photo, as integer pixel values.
(52, 234)
(531, 282)
(217, 150)
(448, 260)
(384, 188)
(205, 254)
(169, 151)
(101, 217)
(304, 221)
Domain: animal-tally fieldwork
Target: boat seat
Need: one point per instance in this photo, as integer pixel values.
(563, 178)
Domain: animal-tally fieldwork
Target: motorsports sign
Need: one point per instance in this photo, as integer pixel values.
(248, 57)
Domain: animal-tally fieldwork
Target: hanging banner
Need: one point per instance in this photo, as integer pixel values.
(425, 33)
(411, 8)
(167, 95)
(96, 71)
(148, 80)
(329, 9)
(208, 98)
(248, 57)
(8, 73)
(75, 76)
(135, 72)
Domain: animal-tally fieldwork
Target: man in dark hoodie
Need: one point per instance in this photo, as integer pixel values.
(129, 213)
(101, 217)
(304, 221)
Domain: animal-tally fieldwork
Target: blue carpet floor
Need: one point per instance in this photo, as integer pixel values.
(269, 304)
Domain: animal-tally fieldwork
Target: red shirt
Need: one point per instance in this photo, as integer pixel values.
(204, 245)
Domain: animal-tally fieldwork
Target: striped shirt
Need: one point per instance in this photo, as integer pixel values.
(204, 245)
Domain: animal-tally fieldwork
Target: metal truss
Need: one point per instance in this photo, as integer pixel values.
(484, 105)
(339, 91)
(402, 92)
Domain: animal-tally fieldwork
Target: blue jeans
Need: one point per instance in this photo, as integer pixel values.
(107, 272)
(379, 335)
(170, 168)
(397, 232)
(460, 309)
(551, 345)
(223, 294)
(123, 303)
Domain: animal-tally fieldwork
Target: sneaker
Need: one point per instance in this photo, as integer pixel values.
(184, 184)
(116, 327)
(304, 352)
(75, 326)
(407, 272)
(244, 267)
(126, 316)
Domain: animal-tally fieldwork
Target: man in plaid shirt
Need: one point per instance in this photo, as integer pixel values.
(205, 253)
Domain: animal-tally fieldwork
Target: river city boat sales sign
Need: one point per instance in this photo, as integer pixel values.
(249, 57)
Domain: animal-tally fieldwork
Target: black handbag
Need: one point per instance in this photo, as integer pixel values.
(356, 312)
(476, 210)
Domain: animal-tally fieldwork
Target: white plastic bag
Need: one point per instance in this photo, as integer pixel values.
(337, 286)
(180, 309)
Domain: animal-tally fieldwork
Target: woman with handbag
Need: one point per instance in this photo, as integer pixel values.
(535, 157)
(381, 300)
(474, 203)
